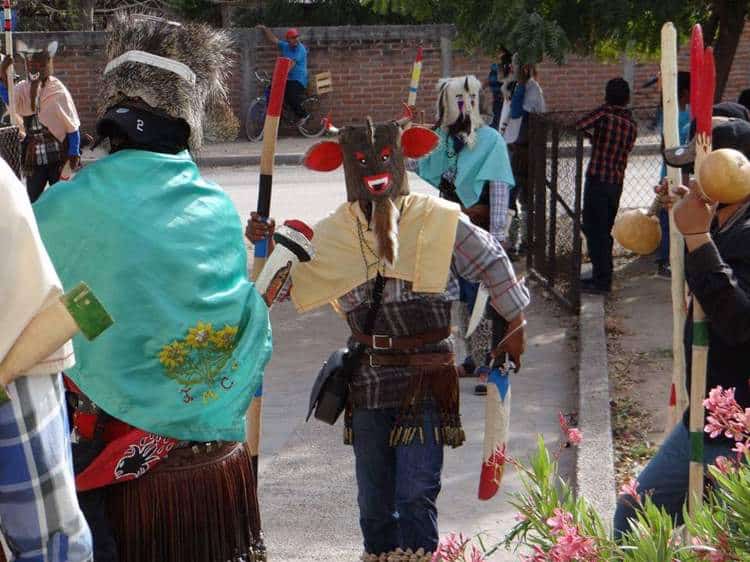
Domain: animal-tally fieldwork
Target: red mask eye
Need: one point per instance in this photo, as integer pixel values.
(385, 154)
(361, 158)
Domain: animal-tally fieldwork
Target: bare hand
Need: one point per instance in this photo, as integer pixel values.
(515, 344)
(692, 214)
(75, 163)
(259, 229)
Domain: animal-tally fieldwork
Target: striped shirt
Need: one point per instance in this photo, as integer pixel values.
(477, 257)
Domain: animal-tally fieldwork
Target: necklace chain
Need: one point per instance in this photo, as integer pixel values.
(363, 245)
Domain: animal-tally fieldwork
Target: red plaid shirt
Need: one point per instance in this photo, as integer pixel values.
(612, 131)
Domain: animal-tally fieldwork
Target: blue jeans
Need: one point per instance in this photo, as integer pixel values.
(663, 256)
(398, 486)
(666, 476)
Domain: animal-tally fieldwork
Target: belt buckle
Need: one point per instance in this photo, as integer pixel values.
(372, 364)
(381, 347)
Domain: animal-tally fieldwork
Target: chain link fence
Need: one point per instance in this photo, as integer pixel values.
(10, 148)
(558, 159)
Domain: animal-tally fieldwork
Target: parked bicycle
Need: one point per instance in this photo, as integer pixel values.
(256, 113)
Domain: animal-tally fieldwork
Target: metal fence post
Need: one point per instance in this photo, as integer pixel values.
(575, 262)
(552, 246)
(539, 156)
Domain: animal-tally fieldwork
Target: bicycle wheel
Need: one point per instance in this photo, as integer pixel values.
(315, 125)
(255, 120)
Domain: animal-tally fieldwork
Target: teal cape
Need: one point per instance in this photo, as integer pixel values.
(163, 250)
(487, 161)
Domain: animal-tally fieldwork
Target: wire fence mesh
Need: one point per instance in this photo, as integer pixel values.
(558, 158)
(10, 148)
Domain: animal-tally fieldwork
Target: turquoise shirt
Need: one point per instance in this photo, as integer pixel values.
(163, 249)
(487, 161)
(299, 55)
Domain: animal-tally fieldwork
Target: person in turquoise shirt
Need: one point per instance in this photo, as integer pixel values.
(296, 84)
(160, 399)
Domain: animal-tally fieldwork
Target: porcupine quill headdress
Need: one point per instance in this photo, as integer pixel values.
(175, 69)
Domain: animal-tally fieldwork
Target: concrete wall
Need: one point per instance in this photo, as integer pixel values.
(371, 68)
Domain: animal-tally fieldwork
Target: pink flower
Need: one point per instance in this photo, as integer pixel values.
(741, 448)
(538, 556)
(560, 521)
(520, 517)
(450, 548)
(631, 489)
(724, 465)
(476, 556)
(575, 436)
(563, 422)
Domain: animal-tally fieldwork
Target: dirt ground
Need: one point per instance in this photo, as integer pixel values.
(639, 341)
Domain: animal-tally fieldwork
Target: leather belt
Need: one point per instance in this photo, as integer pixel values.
(409, 360)
(380, 342)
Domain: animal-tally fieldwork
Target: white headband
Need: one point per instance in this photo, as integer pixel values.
(180, 69)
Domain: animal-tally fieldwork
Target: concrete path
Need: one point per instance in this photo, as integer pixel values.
(307, 486)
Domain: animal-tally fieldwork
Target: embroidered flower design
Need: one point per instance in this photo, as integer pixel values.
(200, 335)
(199, 360)
(173, 355)
(224, 338)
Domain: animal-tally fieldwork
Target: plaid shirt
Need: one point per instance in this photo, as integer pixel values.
(477, 256)
(39, 514)
(613, 131)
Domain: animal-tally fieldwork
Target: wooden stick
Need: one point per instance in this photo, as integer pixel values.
(416, 73)
(8, 12)
(270, 133)
(670, 108)
(702, 85)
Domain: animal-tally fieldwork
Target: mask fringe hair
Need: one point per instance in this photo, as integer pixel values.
(385, 217)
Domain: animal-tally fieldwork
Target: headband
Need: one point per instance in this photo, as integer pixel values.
(178, 68)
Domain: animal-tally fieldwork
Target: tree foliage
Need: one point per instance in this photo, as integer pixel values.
(554, 28)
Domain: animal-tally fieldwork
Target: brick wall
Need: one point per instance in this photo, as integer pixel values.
(371, 68)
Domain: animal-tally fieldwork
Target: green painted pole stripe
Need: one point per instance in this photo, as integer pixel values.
(3, 395)
(700, 334)
(696, 446)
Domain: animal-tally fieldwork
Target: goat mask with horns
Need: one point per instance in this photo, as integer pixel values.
(458, 107)
(373, 159)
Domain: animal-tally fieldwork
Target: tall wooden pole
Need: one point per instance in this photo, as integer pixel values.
(270, 134)
(702, 86)
(8, 12)
(670, 118)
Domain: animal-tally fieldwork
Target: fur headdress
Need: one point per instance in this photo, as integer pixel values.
(458, 107)
(175, 69)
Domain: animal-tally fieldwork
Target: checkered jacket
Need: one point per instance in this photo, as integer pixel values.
(478, 257)
(613, 132)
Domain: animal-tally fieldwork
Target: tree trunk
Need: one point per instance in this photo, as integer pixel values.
(87, 14)
(731, 15)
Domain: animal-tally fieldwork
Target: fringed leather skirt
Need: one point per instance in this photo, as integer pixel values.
(198, 505)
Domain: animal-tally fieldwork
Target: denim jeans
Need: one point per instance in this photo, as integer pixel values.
(601, 200)
(663, 256)
(666, 476)
(398, 486)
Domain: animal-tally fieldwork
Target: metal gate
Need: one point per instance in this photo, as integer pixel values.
(553, 206)
(10, 148)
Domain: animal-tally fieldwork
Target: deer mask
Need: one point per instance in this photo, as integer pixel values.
(373, 159)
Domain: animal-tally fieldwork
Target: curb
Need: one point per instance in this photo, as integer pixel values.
(595, 473)
(247, 160)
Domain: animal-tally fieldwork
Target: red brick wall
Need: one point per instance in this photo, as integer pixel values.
(372, 69)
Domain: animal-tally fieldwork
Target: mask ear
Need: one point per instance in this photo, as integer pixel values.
(418, 141)
(325, 156)
(21, 47)
(52, 48)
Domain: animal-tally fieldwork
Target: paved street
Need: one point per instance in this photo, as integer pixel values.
(308, 492)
